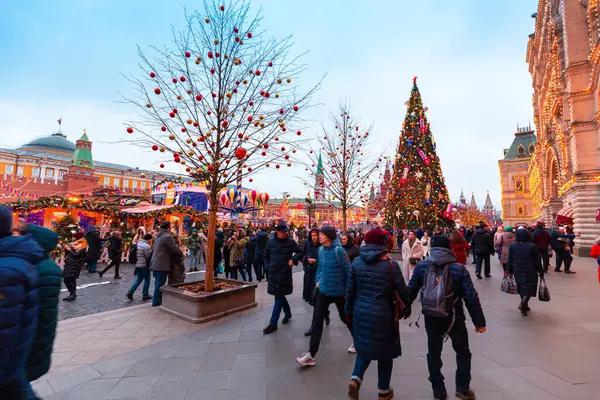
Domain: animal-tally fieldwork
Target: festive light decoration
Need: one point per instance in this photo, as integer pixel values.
(232, 195)
(254, 196)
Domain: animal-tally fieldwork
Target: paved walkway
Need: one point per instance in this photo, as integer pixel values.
(142, 353)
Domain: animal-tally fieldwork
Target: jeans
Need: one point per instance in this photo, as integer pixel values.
(321, 312)
(563, 255)
(436, 327)
(114, 262)
(235, 269)
(143, 274)
(482, 258)
(91, 266)
(160, 278)
(545, 255)
(194, 259)
(384, 370)
(281, 302)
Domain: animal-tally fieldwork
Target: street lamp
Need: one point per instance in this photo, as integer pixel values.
(310, 206)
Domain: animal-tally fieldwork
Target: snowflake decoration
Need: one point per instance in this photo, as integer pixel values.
(419, 174)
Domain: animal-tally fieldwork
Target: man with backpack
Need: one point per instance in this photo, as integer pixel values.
(444, 284)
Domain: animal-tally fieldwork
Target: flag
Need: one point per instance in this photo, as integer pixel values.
(59, 121)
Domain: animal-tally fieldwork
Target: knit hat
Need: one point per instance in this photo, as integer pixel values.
(509, 229)
(329, 231)
(440, 241)
(376, 236)
(282, 227)
(6, 219)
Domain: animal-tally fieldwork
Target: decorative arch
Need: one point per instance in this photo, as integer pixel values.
(520, 209)
(531, 149)
(519, 183)
(553, 178)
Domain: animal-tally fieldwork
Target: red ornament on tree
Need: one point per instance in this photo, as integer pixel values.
(270, 64)
(222, 8)
(266, 145)
(162, 165)
(264, 153)
(281, 111)
(236, 30)
(188, 54)
(182, 78)
(250, 118)
(240, 153)
(172, 114)
(257, 73)
(212, 70)
(249, 35)
(154, 147)
(130, 130)
(225, 124)
(163, 128)
(210, 54)
(299, 133)
(174, 80)
(211, 168)
(157, 91)
(295, 108)
(198, 97)
(152, 75)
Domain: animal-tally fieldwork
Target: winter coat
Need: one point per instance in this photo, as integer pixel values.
(277, 255)
(219, 240)
(460, 251)
(177, 272)
(250, 250)
(462, 285)
(333, 269)
(541, 238)
(115, 247)
(505, 241)
(482, 242)
(19, 302)
(261, 242)
(426, 242)
(416, 251)
(193, 243)
(369, 303)
(144, 254)
(595, 252)
(50, 279)
(555, 241)
(94, 242)
(498, 242)
(352, 250)
(310, 250)
(165, 247)
(524, 263)
(75, 259)
(236, 251)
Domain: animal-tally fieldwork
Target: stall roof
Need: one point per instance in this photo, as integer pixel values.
(145, 207)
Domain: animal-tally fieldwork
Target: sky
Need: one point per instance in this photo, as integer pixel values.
(65, 59)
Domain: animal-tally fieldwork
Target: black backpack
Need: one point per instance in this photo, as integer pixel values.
(133, 254)
(437, 296)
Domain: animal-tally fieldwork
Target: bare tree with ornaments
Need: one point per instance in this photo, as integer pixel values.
(222, 102)
(342, 178)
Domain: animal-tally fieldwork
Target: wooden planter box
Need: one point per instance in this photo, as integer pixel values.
(201, 308)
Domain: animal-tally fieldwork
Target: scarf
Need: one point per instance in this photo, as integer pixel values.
(78, 245)
(411, 243)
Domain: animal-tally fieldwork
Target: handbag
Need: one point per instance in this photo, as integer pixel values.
(509, 285)
(413, 260)
(399, 306)
(543, 292)
(221, 268)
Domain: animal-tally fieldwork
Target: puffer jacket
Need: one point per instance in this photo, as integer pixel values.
(19, 304)
(144, 254)
(369, 303)
(277, 255)
(50, 279)
(310, 250)
(115, 247)
(94, 246)
(555, 241)
(333, 269)
(74, 259)
(524, 263)
(352, 250)
(462, 285)
(541, 238)
(482, 242)
(250, 250)
(505, 240)
(193, 243)
(261, 242)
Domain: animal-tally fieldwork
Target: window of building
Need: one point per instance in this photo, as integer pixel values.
(519, 183)
(106, 180)
(117, 182)
(49, 172)
(521, 150)
(531, 149)
(20, 170)
(88, 173)
(125, 182)
(35, 172)
(9, 169)
(134, 184)
(143, 185)
(62, 173)
(520, 209)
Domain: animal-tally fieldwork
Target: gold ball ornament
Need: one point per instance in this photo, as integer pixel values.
(279, 80)
(172, 137)
(189, 91)
(245, 81)
(207, 20)
(179, 98)
(289, 80)
(162, 149)
(149, 105)
(216, 41)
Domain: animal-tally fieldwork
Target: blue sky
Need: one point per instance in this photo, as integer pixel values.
(64, 58)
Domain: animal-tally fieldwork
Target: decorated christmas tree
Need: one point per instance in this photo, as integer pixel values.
(418, 196)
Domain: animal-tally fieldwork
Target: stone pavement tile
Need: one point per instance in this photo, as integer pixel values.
(192, 350)
(180, 368)
(515, 385)
(58, 395)
(252, 347)
(296, 391)
(256, 360)
(73, 378)
(62, 358)
(164, 389)
(42, 388)
(554, 384)
(120, 373)
(152, 367)
(228, 336)
(115, 353)
(250, 336)
(114, 364)
(60, 370)
(220, 356)
(86, 357)
(211, 380)
(284, 375)
(131, 343)
(73, 345)
(249, 378)
(92, 390)
(176, 343)
(135, 386)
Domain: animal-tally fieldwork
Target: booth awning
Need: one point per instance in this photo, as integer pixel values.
(565, 216)
(145, 207)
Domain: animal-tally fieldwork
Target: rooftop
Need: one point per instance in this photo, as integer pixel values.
(523, 144)
(56, 141)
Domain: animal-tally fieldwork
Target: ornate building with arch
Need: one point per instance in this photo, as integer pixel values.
(564, 61)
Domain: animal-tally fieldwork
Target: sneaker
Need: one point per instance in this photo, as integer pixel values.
(478, 275)
(466, 395)
(306, 360)
(286, 319)
(440, 395)
(568, 271)
(386, 395)
(352, 349)
(488, 276)
(270, 329)
(147, 297)
(353, 388)
(129, 296)
(191, 270)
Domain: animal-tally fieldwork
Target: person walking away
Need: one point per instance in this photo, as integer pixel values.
(19, 306)
(482, 244)
(227, 255)
(237, 243)
(332, 276)
(351, 249)
(426, 242)
(412, 253)
(261, 242)
(524, 263)
(50, 279)
(249, 257)
(469, 237)
(498, 241)
(165, 247)
(505, 241)
(459, 247)
(218, 255)
(310, 266)
(193, 244)
(541, 238)
(115, 248)
(203, 244)
(177, 271)
(371, 313)
(74, 260)
(142, 268)
(94, 252)
(280, 255)
(558, 242)
(439, 276)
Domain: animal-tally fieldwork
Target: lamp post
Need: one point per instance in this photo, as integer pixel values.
(310, 206)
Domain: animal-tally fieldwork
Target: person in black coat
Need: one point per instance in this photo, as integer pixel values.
(369, 308)
(350, 247)
(525, 264)
(482, 244)
(261, 239)
(115, 247)
(226, 255)
(94, 252)
(249, 259)
(74, 260)
(541, 238)
(281, 253)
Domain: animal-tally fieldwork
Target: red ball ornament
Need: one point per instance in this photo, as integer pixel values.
(188, 54)
(130, 130)
(217, 54)
(211, 168)
(262, 92)
(162, 165)
(270, 64)
(249, 35)
(208, 112)
(250, 118)
(177, 160)
(277, 166)
(266, 145)
(251, 103)
(210, 54)
(174, 80)
(183, 130)
(188, 169)
(237, 39)
(250, 180)
(299, 133)
(282, 111)
(175, 110)
(264, 153)
(154, 147)
(157, 91)
(295, 108)
(214, 95)
(198, 97)
(152, 75)
(163, 128)
(287, 157)
(257, 73)
(172, 114)
(222, 8)
(267, 95)
(240, 153)
(249, 169)
(240, 135)
(212, 70)
(225, 124)
(182, 78)
(282, 148)
(236, 30)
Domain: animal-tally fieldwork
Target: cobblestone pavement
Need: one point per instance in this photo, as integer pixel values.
(97, 294)
(143, 353)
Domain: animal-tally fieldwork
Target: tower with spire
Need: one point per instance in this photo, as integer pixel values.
(80, 177)
(462, 199)
(488, 208)
(473, 202)
(320, 181)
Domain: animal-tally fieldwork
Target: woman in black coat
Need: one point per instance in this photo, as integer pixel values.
(348, 245)
(74, 260)
(309, 265)
(94, 249)
(525, 264)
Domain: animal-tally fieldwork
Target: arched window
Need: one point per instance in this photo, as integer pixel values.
(531, 149)
(519, 183)
(521, 150)
(520, 209)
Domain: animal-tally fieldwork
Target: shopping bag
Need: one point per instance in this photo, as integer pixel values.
(509, 285)
(543, 292)
(221, 268)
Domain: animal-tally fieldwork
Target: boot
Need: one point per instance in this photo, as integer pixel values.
(71, 297)
(465, 395)
(129, 296)
(270, 329)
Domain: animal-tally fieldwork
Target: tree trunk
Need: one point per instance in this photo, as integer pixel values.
(344, 216)
(210, 251)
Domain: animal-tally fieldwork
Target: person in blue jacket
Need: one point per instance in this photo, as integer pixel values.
(19, 303)
(558, 242)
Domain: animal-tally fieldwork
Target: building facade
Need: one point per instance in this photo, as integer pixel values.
(564, 61)
(517, 206)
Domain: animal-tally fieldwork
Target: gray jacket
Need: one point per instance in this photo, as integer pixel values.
(164, 247)
(144, 253)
